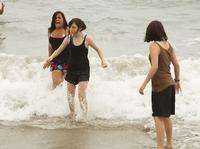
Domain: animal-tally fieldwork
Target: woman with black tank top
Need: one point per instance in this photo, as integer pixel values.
(56, 34)
(161, 56)
(79, 69)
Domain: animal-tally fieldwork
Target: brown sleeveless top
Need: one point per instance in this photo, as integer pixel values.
(162, 78)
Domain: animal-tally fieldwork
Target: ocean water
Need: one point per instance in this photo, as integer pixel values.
(118, 27)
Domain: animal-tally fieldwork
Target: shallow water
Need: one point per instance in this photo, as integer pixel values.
(118, 27)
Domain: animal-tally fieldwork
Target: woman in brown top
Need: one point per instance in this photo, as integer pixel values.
(163, 86)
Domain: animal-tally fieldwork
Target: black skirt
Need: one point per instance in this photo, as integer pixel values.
(163, 102)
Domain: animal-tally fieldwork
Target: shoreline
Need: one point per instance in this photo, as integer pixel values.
(23, 137)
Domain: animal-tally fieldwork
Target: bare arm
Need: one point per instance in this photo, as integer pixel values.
(154, 54)
(176, 70)
(60, 49)
(56, 52)
(50, 50)
(2, 8)
(175, 64)
(98, 50)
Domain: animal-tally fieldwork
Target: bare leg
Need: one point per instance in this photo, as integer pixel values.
(159, 124)
(57, 77)
(70, 97)
(82, 97)
(168, 130)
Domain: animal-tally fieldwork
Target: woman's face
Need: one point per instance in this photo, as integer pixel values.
(73, 29)
(59, 21)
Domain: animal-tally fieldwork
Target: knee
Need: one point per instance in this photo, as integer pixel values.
(56, 82)
(70, 98)
(81, 95)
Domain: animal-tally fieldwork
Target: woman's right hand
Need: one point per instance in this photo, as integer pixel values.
(178, 87)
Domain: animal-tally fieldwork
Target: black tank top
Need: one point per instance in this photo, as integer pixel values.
(78, 60)
(63, 57)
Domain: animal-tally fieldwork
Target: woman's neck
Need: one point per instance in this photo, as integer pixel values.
(78, 35)
(59, 29)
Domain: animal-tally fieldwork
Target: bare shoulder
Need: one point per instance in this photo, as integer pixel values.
(154, 46)
(88, 38)
(170, 47)
(164, 44)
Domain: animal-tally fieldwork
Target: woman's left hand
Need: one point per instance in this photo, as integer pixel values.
(141, 90)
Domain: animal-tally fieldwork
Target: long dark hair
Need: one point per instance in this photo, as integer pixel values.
(52, 27)
(80, 23)
(155, 32)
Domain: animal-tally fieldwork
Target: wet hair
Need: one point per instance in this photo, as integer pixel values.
(155, 32)
(81, 25)
(53, 27)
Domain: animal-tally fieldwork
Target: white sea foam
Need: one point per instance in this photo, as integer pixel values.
(112, 93)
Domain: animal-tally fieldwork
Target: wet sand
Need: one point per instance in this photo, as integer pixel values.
(23, 137)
